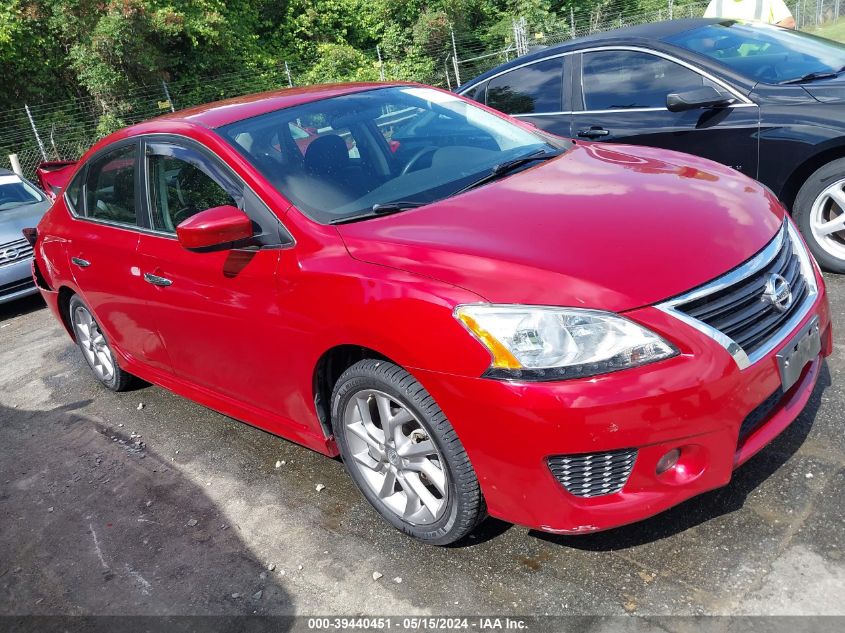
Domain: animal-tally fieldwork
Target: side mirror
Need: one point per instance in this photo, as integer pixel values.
(215, 228)
(704, 97)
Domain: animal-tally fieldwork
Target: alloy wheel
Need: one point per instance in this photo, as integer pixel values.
(827, 219)
(93, 344)
(395, 456)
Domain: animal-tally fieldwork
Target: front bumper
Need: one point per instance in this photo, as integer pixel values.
(696, 401)
(16, 280)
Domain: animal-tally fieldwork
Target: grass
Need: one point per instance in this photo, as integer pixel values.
(832, 31)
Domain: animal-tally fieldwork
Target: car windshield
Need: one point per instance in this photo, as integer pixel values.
(15, 192)
(390, 147)
(764, 53)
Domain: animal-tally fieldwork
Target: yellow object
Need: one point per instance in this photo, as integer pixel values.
(502, 358)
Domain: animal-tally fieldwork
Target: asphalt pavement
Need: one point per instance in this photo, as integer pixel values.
(145, 503)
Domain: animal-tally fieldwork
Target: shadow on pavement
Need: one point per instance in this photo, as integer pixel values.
(711, 504)
(94, 523)
(20, 307)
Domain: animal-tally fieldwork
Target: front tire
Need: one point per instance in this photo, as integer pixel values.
(819, 212)
(95, 348)
(403, 454)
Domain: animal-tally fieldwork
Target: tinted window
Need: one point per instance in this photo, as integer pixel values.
(110, 186)
(73, 190)
(533, 88)
(14, 192)
(628, 79)
(764, 52)
(478, 93)
(179, 189)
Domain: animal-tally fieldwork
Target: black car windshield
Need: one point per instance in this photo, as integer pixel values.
(15, 192)
(356, 155)
(765, 53)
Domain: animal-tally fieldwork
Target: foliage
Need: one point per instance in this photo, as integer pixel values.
(105, 60)
(341, 62)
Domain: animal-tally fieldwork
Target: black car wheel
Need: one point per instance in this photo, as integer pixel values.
(819, 212)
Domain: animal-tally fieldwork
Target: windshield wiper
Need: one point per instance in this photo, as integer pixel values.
(813, 76)
(497, 172)
(508, 166)
(381, 209)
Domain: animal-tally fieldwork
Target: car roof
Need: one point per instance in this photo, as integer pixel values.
(638, 34)
(6, 172)
(216, 114)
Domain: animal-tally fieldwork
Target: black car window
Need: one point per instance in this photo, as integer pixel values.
(762, 52)
(477, 92)
(618, 80)
(179, 189)
(535, 88)
(110, 186)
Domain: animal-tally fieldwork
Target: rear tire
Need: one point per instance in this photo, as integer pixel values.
(819, 212)
(95, 348)
(403, 454)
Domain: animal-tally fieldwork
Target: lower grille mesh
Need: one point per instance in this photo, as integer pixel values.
(593, 474)
(759, 414)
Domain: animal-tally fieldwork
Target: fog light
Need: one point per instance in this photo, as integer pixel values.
(668, 461)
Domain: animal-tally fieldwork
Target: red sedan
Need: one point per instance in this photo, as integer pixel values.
(477, 316)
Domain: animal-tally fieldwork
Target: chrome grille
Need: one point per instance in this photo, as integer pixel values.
(16, 286)
(593, 474)
(15, 251)
(733, 309)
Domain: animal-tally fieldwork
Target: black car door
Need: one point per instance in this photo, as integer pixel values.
(619, 94)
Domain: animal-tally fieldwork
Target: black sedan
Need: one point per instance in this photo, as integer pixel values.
(767, 101)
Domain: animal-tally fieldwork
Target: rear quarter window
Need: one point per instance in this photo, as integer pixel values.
(72, 192)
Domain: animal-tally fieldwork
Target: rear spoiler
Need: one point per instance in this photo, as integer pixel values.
(53, 176)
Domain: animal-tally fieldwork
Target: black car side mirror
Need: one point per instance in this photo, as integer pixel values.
(704, 97)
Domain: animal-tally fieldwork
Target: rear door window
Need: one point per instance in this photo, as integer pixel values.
(536, 88)
(110, 187)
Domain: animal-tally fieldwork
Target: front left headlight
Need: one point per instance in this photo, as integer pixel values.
(548, 343)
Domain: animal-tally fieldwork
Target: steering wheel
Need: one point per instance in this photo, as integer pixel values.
(416, 157)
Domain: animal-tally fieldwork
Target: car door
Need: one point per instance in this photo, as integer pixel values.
(216, 311)
(532, 92)
(103, 251)
(619, 94)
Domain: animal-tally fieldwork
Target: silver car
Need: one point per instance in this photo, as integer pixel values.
(21, 205)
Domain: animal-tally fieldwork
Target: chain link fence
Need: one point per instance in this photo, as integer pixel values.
(64, 130)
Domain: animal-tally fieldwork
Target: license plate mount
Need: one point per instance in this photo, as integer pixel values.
(801, 349)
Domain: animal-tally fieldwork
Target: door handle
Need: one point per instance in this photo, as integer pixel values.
(593, 132)
(82, 263)
(156, 280)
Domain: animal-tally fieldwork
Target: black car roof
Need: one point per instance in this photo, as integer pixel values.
(629, 34)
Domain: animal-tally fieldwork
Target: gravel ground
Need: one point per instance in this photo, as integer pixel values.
(110, 507)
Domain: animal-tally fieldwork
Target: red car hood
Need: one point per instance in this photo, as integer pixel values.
(603, 226)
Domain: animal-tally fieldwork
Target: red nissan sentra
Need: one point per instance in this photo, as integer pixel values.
(478, 317)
